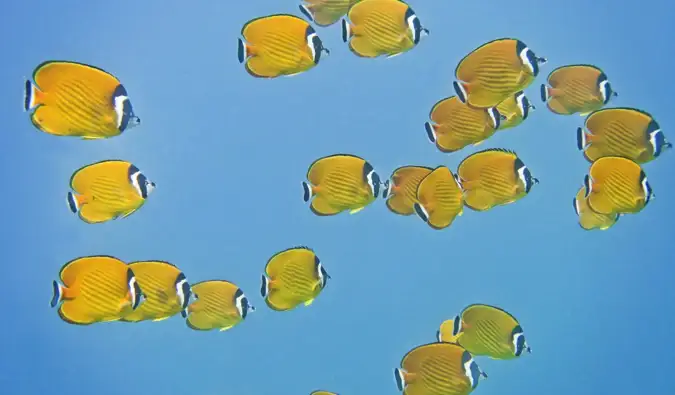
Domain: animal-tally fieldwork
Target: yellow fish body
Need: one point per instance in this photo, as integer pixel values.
(381, 28)
(589, 219)
(292, 277)
(456, 125)
(96, 289)
(320, 392)
(577, 88)
(485, 330)
(107, 190)
(279, 45)
(494, 71)
(438, 368)
(616, 185)
(340, 182)
(515, 109)
(439, 197)
(625, 132)
(401, 193)
(494, 177)
(76, 99)
(326, 12)
(165, 287)
(219, 305)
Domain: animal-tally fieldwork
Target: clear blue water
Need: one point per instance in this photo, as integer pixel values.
(228, 153)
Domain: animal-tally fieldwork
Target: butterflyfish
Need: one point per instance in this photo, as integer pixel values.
(438, 368)
(218, 304)
(515, 109)
(494, 71)
(589, 219)
(165, 287)
(96, 289)
(578, 88)
(485, 330)
(108, 190)
(439, 198)
(326, 12)
(616, 185)
(401, 191)
(381, 28)
(279, 45)
(494, 177)
(454, 125)
(340, 182)
(320, 392)
(625, 132)
(79, 100)
(292, 277)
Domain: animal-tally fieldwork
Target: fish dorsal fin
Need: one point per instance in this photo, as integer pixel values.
(508, 151)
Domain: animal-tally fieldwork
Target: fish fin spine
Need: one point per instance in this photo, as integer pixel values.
(346, 30)
(431, 132)
(32, 96)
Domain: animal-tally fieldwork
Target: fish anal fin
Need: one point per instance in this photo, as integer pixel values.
(320, 206)
(362, 47)
(90, 214)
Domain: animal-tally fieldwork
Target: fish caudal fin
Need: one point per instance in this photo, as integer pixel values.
(346, 31)
(588, 185)
(31, 97)
(421, 212)
(431, 132)
(75, 201)
(265, 287)
(308, 191)
(460, 90)
(306, 12)
(399, 376)
(57, 295)
(544, 93)
(242, 51)
(581, 139)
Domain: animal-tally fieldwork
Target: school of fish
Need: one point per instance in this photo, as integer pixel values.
(67, 98)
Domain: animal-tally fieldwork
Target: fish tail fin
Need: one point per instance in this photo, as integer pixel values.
(346, 31)
(184, 313)
(265, 287)
(32, 96)
(242, 51)
(460, 90)
(57, 295)
(399, 376)
(431, 132)
(544, 93)
(588, 185)
(421, 212)
(308, 191)
(495, 117)
(581, 139)
(305, 9)
(75, 201)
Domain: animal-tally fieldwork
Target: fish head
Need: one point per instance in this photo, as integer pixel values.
(524, 105)
(372, 179)
(519, 342)
(646, 188)
(140, 182)
(657, 139)
(135, 292)
(126, 118)
(321, 272)
(471, 369)
(417, 31)
(242, 304)
(524, 176)
(528, 58)
(315, 44)
(605, 88)
(183, 290)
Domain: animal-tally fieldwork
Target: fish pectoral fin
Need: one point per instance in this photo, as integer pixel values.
(356, 210)
(309, 302)
(159, 319)
(92, 137)
(478, 143)
(521, 77)
(583, 114)
(223, 329)
(128, 213)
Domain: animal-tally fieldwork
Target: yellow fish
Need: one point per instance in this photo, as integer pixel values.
(323, 393)
(439, 197)
(589, 219)
(401, 193)
(76, 99)
(486, 331)
(381, 28)
(340, 182)
(494, 177)
(165, 287)
(456, 125)
(96, 289)
(625, 132)
(219, 305)
(279, 45)
(292, 277)
(616, 185)
(438, 368)
(515, 109)
(107, 190)
(326, 12)
(494, 71)
(577, 88)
